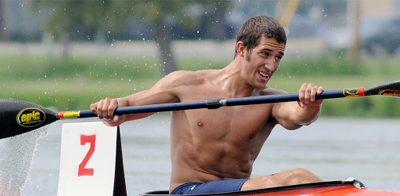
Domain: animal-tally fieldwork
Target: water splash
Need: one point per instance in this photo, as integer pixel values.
(16, 155)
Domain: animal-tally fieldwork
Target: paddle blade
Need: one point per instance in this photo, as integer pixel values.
(387, 89)
(17, 117)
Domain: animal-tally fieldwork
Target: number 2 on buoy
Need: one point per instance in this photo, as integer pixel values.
(91, 140)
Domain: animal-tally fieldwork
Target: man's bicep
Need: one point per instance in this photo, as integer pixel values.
(154, 95)
(166, 90)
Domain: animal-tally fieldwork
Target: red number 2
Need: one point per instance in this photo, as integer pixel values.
(83, 171)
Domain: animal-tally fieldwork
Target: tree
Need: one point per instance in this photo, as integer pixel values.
(353, 52)
(214, 21)
(65, 17)
(62, 17)
(103, 16)
(163, 15)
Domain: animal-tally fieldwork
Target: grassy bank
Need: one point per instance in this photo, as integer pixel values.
(77, 82)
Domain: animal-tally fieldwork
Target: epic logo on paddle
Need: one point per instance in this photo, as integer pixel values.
(31, 117)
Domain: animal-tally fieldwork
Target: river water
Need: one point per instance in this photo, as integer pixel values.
(333, 148)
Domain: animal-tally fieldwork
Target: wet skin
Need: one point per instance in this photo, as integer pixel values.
(222, 143)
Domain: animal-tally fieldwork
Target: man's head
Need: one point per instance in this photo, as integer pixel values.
(255, 27)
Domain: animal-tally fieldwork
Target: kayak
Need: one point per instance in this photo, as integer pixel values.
(348, 187)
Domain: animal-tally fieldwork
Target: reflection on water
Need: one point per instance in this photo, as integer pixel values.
(16, 154)
(334, 149)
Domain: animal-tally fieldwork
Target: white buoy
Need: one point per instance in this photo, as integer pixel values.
(88, 159)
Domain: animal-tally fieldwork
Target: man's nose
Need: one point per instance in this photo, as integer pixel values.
(271, 66)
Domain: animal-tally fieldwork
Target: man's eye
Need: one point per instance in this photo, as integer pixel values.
(278, 58)
(267, 54)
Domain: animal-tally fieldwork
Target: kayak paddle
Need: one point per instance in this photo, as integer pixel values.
(18, 117)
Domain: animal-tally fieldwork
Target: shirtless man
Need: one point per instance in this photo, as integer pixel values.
(214, 150)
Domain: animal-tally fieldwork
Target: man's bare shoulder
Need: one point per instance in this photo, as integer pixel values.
(183, 77)
(191, 74)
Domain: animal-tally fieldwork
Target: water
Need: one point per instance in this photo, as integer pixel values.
(334, 149)
(13, 169)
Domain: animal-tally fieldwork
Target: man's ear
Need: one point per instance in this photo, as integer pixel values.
(240, 48)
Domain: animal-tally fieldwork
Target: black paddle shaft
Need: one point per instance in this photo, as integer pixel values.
(17, 117)
(215, 103)
(387, 89)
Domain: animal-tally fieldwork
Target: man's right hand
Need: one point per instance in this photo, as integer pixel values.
(105, 109)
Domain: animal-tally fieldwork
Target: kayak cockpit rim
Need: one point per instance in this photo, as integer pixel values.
(337, 183)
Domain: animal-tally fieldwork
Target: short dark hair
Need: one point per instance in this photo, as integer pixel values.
(251, 30)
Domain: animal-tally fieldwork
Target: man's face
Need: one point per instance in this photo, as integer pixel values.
(262, 61)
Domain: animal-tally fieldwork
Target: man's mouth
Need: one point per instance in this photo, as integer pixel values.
(263, 75)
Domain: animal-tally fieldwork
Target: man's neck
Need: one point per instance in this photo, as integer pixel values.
(231, 80)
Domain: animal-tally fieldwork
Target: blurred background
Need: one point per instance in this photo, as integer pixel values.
(66, 54)
(70, 53)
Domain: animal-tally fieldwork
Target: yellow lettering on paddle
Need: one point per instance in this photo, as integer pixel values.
(34, 116)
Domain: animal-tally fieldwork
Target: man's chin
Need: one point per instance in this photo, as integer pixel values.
(261, 86)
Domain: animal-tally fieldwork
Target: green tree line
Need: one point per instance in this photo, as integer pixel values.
(64, 17)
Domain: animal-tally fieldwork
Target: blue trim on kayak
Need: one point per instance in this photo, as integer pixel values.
(353, 182)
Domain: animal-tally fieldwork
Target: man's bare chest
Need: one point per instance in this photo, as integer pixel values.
(229, 122)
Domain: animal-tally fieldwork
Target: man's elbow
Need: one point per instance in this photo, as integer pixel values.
(291, 126)
(296, 124)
